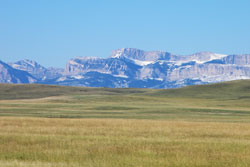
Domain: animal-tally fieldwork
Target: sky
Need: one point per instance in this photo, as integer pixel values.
(52, 32)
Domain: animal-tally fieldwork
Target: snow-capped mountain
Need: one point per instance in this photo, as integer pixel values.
(164, 69)
(128, 67)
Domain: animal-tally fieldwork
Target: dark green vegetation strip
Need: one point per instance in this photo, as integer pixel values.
(33, 91)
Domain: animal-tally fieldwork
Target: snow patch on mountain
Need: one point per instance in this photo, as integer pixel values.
(142, 63)
(121, 76)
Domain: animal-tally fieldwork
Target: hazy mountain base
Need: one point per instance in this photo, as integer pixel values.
(205, 125)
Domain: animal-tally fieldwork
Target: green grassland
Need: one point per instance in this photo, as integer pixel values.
(228, 102)
(45, 125)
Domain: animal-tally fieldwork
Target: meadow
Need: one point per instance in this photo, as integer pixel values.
(207, 125)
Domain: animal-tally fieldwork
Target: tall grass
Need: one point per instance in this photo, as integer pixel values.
(44, 142)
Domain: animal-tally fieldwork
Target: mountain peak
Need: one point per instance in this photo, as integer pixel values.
(137, 54)
(26, 63)
(124, 52)
(202, 57)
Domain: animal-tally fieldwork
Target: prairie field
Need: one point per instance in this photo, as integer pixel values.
(54, 126)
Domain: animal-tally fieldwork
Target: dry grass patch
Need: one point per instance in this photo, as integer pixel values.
(109, 142)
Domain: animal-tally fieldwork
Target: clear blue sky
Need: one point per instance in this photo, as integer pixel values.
(53, 31)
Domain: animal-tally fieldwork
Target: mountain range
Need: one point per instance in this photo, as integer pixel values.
(129, 67)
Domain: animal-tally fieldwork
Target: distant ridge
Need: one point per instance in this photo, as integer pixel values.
(135, 68)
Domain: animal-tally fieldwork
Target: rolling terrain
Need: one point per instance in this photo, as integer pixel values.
(46, 125)
(228, 100)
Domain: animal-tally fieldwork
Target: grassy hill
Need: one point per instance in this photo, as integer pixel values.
(228, 101)
(239, 89)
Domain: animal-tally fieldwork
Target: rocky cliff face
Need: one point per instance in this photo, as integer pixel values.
(11, 75)
(136, 54)
(37, 70)
(121, 67)
(167, 69)
(130, 67)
